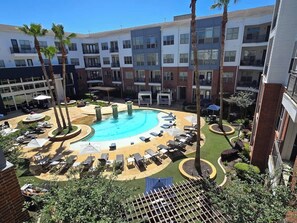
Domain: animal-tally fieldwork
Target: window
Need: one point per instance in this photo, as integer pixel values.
(232, 33)
(43, 44)
(104, 46)
(230, 56)
(92, 62)
(227, 77)
(90, 48)
(183, 58)
(46, 61)
(207, 56)
(128, 60)
(183, 76)
(25, 45)
(60, 60)
(72, 47)
(2, 64)
(106, 60)
(58, 46)
(138, 42)
(114, 46)
(129, 75)
(20, 63)
(139, 59)
(252, 33)
(151, 42)
(126, 44)
(74, 61)
(30, 62)
(208, 35)
(168, 76)
(168, 58)
(94, 75)
(184, 38)
(168, 40)
(152, 59)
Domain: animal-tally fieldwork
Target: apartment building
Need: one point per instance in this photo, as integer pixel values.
(274, 139)
(151, 58)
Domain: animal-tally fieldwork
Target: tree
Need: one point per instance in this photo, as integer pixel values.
(64, 40)
(196, 76)
(253, 200)
(36, 30)
(222, 4)
(49, 53)
(243, 100)
(92, 199)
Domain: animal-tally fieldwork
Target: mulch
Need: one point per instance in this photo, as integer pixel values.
(226, 128)
(190, 169)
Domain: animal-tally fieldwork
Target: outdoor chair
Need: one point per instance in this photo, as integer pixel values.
(156, 134)
(119, 161)
(144, 139)
(112, 146)
(103, 159)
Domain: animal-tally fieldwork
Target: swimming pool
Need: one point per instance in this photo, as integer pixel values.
(125, 125)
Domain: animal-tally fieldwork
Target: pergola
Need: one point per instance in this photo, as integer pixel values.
(183, 202)
(164, 98)
(144, 98)
(106, 89)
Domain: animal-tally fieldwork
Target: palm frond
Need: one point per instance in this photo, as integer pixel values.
(217, 5)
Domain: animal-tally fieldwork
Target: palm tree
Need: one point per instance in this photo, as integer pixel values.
(49, 53)
(222, 4)
(64, 40)
(196, 76)
(36, 30)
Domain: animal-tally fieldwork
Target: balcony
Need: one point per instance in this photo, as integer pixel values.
(92, 65)
(26, 51)
(114, 49)
(155, 80)
(291, 87)
(203, 82)
(98, 79)
(116, 79)
(139, 79)
(60, 51)
(95, 51)
(256, 63)
(115, 64)
(254, 38)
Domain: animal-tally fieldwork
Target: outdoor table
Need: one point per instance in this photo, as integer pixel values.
(130, 160)
(147, 156)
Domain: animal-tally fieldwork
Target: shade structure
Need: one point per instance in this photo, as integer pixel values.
(174, 131)
(42, 97)
(89, 149)
(37, 143)
(152, 184)
(213, 107)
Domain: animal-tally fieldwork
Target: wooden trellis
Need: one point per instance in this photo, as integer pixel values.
(183, 202)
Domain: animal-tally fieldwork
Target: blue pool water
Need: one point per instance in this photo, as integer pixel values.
(125, 126)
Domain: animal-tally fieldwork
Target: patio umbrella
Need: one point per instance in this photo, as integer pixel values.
(174, 131)
(42, 97)
(89, 149)
(213, 107)
(37, 143)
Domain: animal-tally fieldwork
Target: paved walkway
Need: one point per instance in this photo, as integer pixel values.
(131, 172)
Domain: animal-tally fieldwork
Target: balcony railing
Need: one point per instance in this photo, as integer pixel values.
(118, 79)
(252, 84)
(95, 78)
(250, 38)
(114, 49)
(95, 51)
(115, 64)
(155, 80)
(139, 79)
(17, 50)
(93, 65)
(257, 63)
(60, 51)
(291, 86)
(203, 82)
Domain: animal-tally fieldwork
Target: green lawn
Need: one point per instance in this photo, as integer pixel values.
(210, 151)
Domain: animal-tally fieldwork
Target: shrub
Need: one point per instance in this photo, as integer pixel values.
(229, 155)
(244, 169)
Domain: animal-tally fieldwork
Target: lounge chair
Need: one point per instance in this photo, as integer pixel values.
(145, 139)
(190, 128)
(170, 115)
(175, 144)
(139, 160)
(157, 134)
(168, 125)
(113, 146)
(87, 163)
(161, 146)
(103, 159)
(120, 161)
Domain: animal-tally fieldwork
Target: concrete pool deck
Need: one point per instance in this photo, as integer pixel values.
(52, 148)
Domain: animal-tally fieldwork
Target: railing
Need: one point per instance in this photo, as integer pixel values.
(90, 51)
(250, 38)
(115, 64)
(257, 63)
(203, 82)
(20, 50)
(252, 84)
(114, 49)
(118, 79)
(95, 78)
(291, 86)
(139, 79)
(93, 65)
(60, 51)
(155, 80)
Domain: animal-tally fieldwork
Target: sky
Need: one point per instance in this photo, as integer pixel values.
(89, 16)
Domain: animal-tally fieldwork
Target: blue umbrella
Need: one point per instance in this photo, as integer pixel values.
(213, 107)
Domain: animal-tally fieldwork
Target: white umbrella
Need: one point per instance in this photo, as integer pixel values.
(174, 131)
(42, 97)
(89, 149)
(37, 143)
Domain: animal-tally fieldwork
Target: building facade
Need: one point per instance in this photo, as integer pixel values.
(153, 57)
(274, 138)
